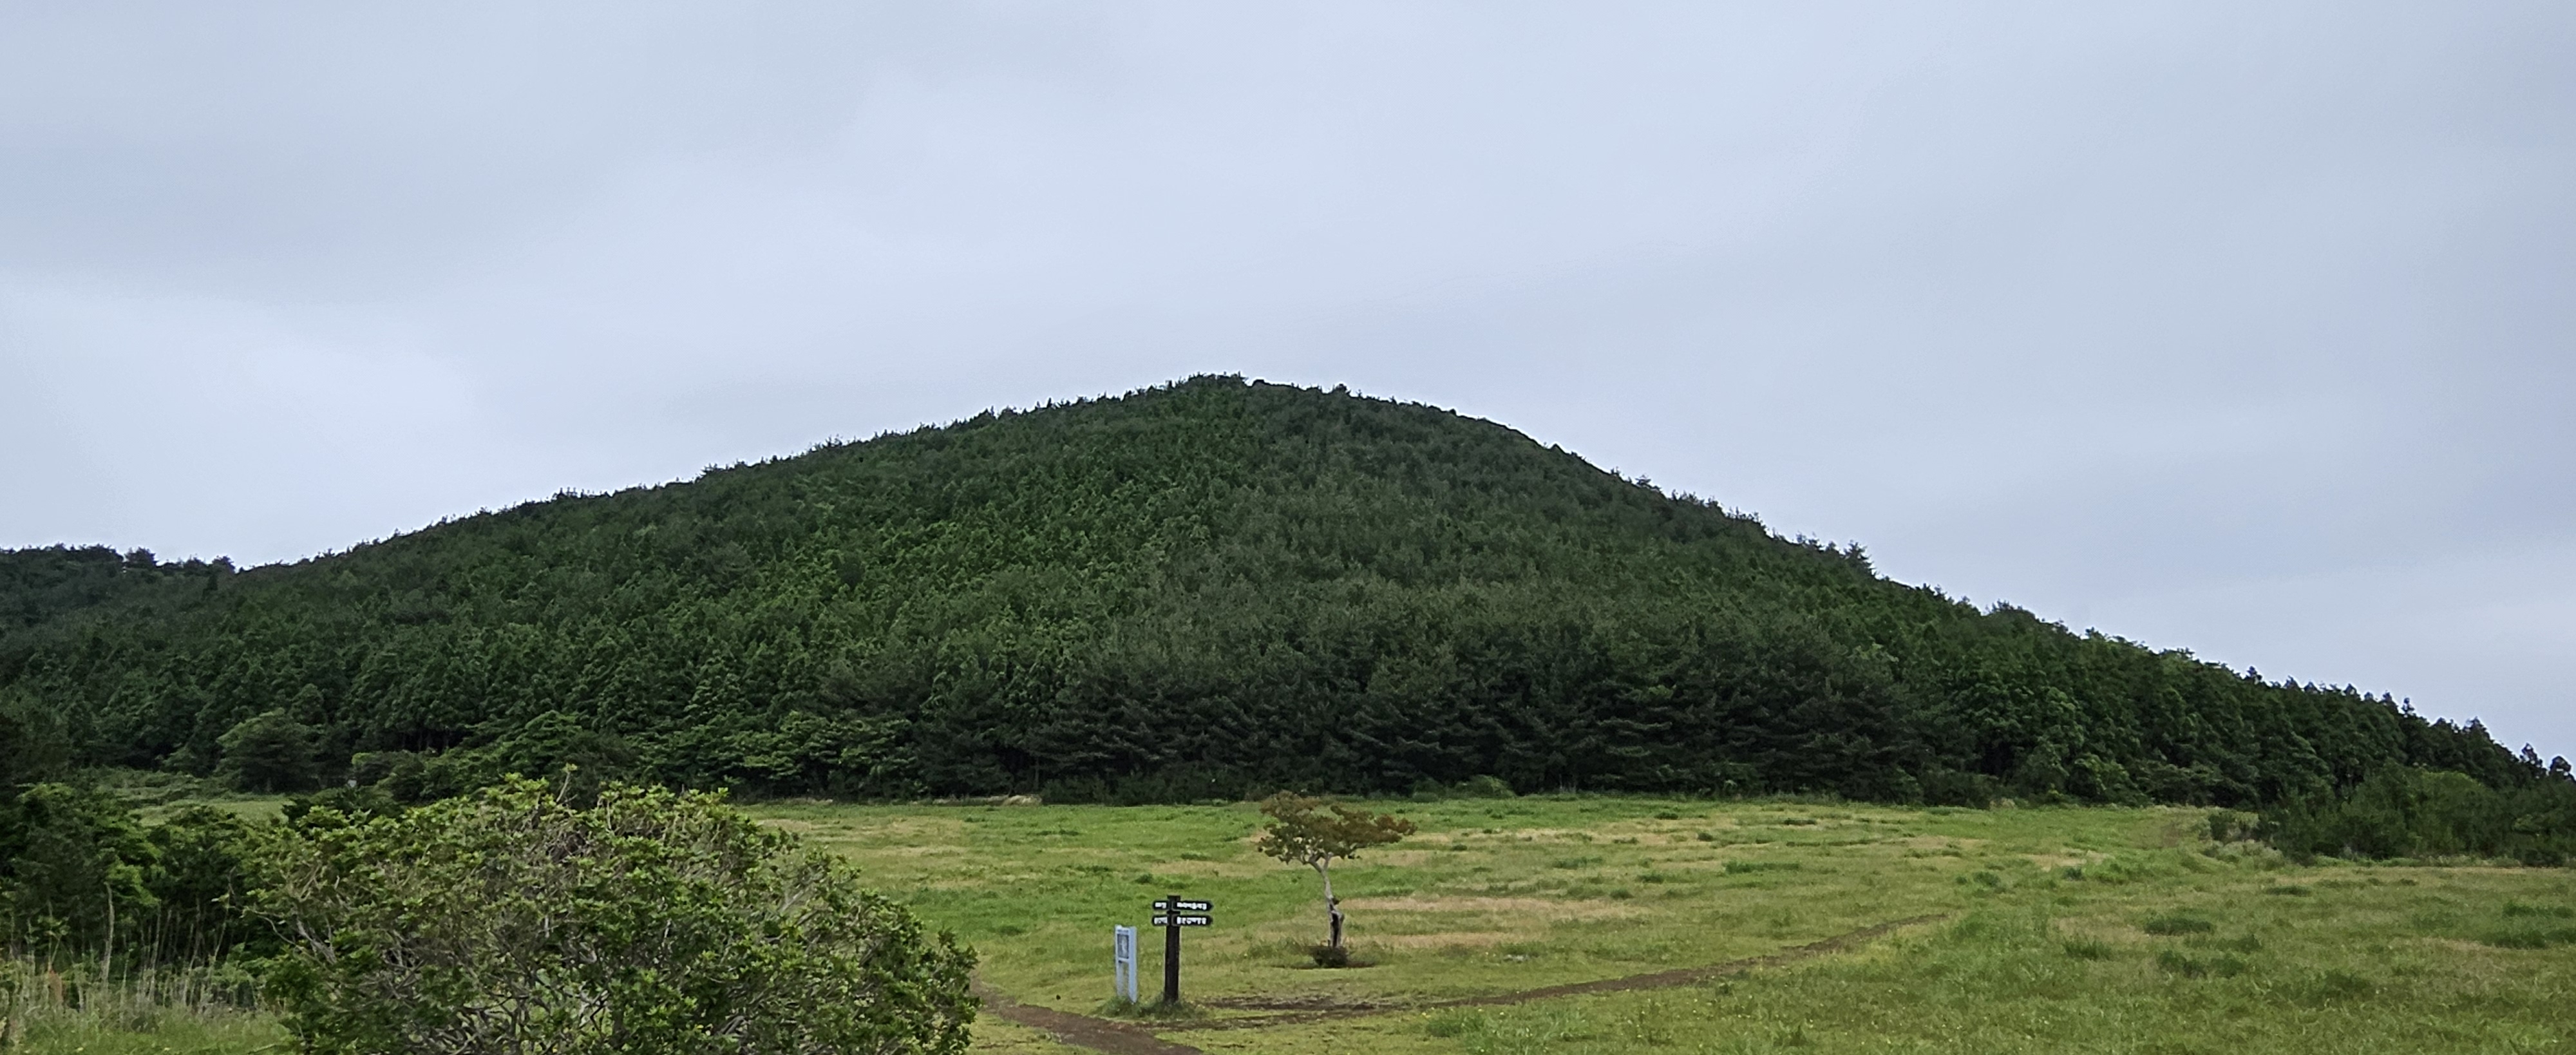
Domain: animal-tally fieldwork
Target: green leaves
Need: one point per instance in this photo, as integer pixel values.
(1314, 832)
(269, 752)
(507, 921)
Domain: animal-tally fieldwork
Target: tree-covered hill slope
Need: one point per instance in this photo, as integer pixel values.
(1207, 588)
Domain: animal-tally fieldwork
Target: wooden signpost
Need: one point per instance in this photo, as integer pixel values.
(1172, 913)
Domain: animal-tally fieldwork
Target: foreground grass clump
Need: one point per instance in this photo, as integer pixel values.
(52, 1006)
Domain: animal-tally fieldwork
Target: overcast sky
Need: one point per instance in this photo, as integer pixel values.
(2248, 329)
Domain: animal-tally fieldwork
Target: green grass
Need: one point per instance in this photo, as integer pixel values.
(2061, 929)
(66, 1009)
(2104, 930)
(168, 1034)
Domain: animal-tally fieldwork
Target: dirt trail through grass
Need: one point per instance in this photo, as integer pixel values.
(1082, 1031)
(1119, 1038)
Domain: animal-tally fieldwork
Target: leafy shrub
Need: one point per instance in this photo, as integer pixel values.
(80, 874)
(70, 858)
(655, 921)
(270, 751)
(34, 745)
(1330, 955)
(2405, 811)
(2229, 826)
(200, 879)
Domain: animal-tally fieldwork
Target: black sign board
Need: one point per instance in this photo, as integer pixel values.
(1172, 920)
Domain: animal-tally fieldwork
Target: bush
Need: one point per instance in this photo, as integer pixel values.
(652, 922)
(2401, 811)
(80, 875)
(73, 868)
(2229, 826)
(200, 880)
(1330, 955)
(270, 752)
(34, 746)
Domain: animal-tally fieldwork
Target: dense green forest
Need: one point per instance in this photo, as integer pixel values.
(1211, 588)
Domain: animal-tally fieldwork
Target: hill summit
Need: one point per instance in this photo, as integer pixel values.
(1208, 588)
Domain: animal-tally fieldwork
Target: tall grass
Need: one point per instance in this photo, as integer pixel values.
(48, 1006)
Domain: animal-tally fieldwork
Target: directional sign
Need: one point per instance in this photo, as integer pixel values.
(1183, 906)
(1181, 921)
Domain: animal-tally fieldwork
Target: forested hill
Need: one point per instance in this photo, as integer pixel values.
(1209, 588)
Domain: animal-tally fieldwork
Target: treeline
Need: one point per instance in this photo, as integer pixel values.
(1209, 589)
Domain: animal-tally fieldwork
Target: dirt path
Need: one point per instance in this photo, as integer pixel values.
(1081, 1031)
(1120, 1038)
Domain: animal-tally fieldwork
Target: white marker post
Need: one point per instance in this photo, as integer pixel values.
(1123, 954)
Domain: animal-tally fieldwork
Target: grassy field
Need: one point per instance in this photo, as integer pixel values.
(2055, 929)
(2042, 930)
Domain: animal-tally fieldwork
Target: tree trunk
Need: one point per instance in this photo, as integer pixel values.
(1332, 905)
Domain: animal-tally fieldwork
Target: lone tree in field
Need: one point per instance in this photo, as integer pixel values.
(1312, 832)
(510, 923)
